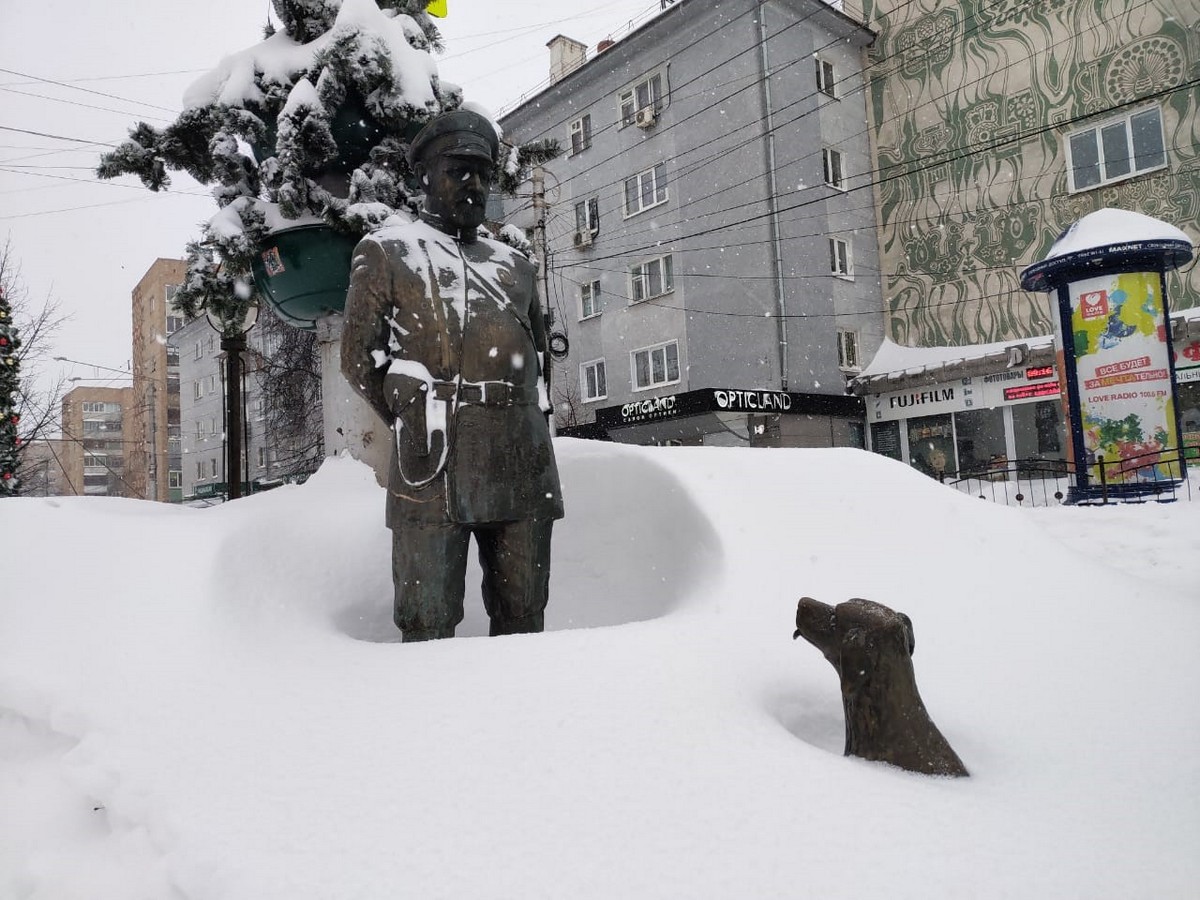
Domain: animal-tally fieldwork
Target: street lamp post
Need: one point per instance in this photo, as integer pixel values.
(233, 345)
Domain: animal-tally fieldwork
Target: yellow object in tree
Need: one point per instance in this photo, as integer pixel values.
(437, 8)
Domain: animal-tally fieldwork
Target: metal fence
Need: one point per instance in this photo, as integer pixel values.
(1161, 476)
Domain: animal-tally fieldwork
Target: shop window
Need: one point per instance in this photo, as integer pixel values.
(885, 439)
(1039, 435)
(931, 445)
(980, 439)
(1189, 419)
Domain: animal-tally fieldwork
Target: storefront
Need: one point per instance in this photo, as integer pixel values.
(978, 410)
(1186, 333)
(733, 417)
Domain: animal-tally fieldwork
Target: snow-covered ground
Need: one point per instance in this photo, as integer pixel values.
(212, 704)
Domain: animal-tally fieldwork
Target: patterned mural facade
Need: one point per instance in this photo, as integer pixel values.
(971, 104)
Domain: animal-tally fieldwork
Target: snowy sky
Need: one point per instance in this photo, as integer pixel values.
(255, 733)
(88, 242)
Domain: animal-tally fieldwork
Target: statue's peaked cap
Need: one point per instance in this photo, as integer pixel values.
(471, 135)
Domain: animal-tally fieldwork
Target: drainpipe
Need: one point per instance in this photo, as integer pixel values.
(772, 195)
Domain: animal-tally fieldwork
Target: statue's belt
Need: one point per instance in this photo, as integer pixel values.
(486, 393)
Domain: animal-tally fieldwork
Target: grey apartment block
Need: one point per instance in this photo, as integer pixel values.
(711, 226)
(202, 416)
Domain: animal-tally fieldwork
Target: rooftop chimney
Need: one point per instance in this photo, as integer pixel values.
(566, 55)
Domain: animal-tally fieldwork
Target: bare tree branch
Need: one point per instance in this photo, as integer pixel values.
(38, 401)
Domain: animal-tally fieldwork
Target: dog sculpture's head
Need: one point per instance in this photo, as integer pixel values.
(856, 628)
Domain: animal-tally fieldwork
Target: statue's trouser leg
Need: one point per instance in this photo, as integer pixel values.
(515, 558)
(429, 563)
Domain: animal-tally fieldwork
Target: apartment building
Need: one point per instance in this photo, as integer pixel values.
(999, 124)
(709, 231)
(266, 461)
(154, 464)
(96, 441)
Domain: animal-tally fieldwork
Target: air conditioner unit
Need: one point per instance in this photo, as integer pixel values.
(583, 239)
(646, 117)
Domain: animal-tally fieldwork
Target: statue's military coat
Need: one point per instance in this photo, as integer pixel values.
(424, 310)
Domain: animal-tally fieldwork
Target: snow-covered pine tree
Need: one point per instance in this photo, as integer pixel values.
(10, 370)
(312, 124)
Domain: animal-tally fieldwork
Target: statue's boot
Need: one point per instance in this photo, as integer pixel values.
(530, 624)
(426, 634)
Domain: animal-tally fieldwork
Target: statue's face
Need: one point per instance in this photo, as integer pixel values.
(456, 188)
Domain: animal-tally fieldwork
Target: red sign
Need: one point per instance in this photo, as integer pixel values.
(1093, 304)
(1025, 391)
(1035, 372)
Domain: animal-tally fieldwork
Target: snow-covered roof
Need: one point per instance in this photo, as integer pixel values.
(895, 360)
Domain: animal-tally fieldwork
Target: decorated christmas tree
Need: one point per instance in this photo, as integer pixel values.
(10, 368)
(308, 127)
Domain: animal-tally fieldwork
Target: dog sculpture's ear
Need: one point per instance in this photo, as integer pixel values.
(909, 634)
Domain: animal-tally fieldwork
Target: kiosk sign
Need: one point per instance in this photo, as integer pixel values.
(1123, 371)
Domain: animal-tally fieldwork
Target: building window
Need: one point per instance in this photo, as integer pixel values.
(262, 457)
(587, 216)
(199, 469)
(646, 189)
(592, 381)
(589, 299)
(172, 355)
(212, 343)
(212, 467)
(834, 174)
(170, 291)
(197, 389)
(174, 478)
(212, 384)
(199, 349)
(174, 323)
(847, 342)
(199, 430)
(581, 134)
(646, 94)
(825, 80)
(212, 425)
(259, 407)
(1116, 149)
(651, 278)
(840, 262)
(654, 366)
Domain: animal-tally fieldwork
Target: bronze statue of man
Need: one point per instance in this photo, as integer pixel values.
(444, 336)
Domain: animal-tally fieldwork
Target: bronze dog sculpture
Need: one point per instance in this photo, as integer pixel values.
(871, 647)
